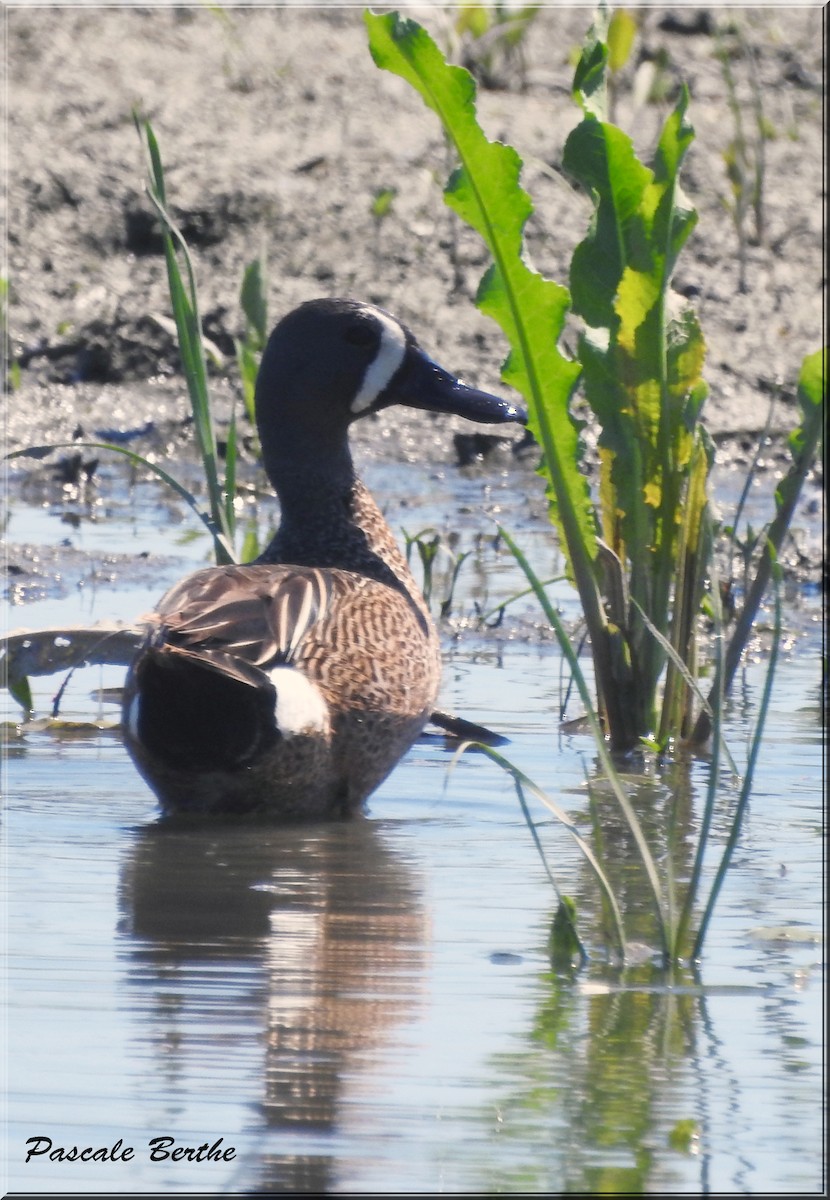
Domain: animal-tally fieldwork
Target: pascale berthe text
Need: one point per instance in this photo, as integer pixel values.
(161, 1149)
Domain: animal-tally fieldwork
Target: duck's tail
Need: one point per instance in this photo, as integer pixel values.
(200, 710)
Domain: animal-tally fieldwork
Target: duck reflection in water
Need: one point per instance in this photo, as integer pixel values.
(305, 940)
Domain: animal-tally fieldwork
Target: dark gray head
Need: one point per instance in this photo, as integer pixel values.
(329, 362)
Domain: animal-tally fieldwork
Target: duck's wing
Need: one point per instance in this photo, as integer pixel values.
(243, 620)
(241, 659)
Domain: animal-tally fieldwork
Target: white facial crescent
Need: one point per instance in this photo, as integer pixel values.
(383, 366)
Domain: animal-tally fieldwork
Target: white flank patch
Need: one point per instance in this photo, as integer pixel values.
(300, 708)
(383, 366)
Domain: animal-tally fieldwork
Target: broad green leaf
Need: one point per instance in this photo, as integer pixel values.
(590, 86)
(685, 356)
(622, 496)
(486, 192)
(803, 441)
(644, 380)
(811, 385)
(602, 159)
(675, 217)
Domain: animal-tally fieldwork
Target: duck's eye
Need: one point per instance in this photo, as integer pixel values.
(360, 334)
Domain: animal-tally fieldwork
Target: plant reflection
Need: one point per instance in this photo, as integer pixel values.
(598, 1069)
(605, 1065)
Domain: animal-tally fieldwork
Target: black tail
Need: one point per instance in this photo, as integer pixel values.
(196, 717)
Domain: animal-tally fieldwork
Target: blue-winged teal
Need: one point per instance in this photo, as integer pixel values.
(293, 685)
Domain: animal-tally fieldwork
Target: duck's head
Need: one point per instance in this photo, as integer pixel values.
(330, 362)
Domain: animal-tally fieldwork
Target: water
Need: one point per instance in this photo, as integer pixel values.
(370, 1007)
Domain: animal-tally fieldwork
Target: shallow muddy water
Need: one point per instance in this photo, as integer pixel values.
(370, 1007)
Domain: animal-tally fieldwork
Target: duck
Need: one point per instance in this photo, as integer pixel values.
(291, 686)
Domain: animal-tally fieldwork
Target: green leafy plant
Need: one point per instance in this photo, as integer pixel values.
(622, 31)
(253, 299)
(429, 545)
(185, 303)
(383, 199)
(803, 443)
(642, 377)
(639, 550)
(745, 154)
(492, 39)
(486, 192)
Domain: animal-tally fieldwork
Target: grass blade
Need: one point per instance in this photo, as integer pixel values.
(746, 786)
(602, 749)
(520, 595)
(717, 703)
(803, 443)
(523, 781)
(185, 304)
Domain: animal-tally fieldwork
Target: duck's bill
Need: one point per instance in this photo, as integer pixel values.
(423, 384)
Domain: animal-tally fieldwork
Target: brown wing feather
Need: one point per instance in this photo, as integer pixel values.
(361, 641)
(259, 613)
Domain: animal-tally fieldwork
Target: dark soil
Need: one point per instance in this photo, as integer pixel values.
(277, 131)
